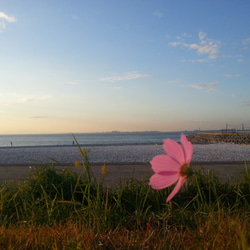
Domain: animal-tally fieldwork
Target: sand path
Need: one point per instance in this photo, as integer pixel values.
(117, 172)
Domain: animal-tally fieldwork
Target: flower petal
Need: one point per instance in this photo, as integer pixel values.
(177, 188)
(159, 181)
(174, 150)
(164, 163)
(187, 148)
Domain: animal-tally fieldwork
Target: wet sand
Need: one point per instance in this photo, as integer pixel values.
(119, 172)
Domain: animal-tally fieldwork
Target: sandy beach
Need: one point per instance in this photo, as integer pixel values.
(220, 152)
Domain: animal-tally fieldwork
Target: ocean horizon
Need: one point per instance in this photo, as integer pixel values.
(92, 139)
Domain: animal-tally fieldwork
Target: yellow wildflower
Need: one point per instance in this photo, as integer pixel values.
(104, 170)
(77, 163)
(84, 151)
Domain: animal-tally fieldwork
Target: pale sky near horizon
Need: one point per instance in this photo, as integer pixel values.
(134, 65)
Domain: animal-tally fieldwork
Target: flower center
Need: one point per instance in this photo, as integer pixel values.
(185, 170)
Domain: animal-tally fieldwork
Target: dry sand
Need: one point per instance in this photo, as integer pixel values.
(117, 172)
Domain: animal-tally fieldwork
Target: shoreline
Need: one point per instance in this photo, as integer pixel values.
(221, 152)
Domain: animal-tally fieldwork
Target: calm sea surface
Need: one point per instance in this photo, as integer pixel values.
(111, 138)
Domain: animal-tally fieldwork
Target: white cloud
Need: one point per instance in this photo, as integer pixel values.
(198, 86)
(9, 19)
(212, 84)
(234, 56)
(174, 44)
(235, 96)
(158, 14)
(38, 117)
(247, 103)
(26, 100)
(5, 18)
(186, 35)
(183, 36)
(205, 46)
(209, 87)
(246, 41)
(194, 61)
(232, 75)
(202, 35)
(126, 77)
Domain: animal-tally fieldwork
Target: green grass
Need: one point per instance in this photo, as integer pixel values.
(62, 209)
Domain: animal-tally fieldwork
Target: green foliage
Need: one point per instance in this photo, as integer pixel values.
(53, 197)
(50, 195)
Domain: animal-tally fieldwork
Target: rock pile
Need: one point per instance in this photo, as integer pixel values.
(207, 138)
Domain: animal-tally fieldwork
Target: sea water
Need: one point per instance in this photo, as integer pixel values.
(90, 139)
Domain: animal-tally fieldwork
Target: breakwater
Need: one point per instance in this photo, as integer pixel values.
(207, 138)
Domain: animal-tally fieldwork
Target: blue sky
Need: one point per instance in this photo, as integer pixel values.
(128, 65)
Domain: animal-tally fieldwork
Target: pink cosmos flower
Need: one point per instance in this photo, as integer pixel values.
(172, 167)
